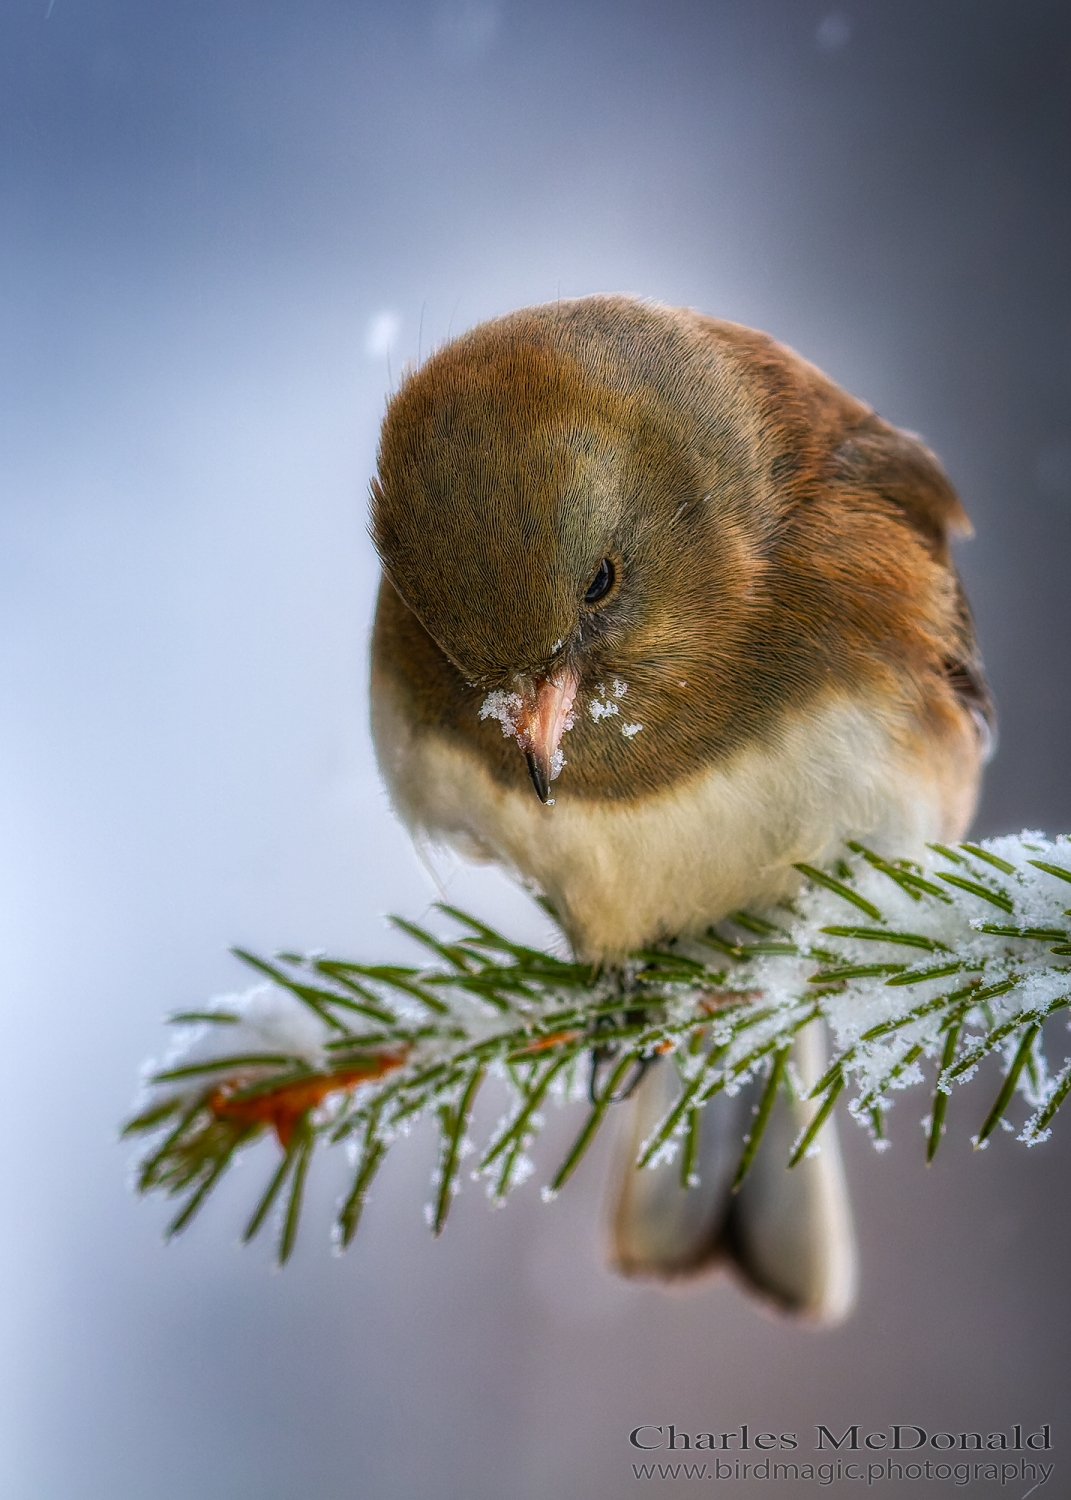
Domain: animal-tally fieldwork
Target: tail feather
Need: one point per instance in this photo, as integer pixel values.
(787, 1234)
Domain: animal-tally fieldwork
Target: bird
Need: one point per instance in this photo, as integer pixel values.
(665, 612)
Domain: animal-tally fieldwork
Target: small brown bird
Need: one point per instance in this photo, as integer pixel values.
(664, 612)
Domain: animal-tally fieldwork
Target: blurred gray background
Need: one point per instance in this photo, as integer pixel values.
(224, 227)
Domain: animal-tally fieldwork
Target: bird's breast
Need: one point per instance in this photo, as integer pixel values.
(624, 874)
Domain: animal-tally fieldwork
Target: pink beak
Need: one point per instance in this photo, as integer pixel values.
(547, 713)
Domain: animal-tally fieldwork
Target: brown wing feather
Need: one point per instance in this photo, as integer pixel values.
(899, 467)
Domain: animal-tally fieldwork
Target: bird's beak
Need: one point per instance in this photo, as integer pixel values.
(546, 714)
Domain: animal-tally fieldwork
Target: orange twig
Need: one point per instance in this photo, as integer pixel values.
(282, 1108)
(544, 1043)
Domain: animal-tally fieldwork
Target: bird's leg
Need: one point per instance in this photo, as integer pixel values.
(604, 1052)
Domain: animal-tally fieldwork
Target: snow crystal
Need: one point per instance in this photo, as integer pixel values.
(952, 942)
(505, 707)
(603, 706)
(266, 1019)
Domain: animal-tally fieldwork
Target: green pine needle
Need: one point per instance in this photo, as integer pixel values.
(754, 1136)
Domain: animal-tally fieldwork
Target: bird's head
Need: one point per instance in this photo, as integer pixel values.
(578, 503)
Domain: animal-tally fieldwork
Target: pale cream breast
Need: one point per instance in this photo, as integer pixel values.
(623, 874)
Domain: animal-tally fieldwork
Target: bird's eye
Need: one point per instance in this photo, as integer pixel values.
(601, 584)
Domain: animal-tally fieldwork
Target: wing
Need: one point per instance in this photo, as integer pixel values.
(877, 459)
(834, 446)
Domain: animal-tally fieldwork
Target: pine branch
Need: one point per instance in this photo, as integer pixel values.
(325, 1050)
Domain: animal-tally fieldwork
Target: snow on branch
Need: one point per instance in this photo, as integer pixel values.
(920, 971)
